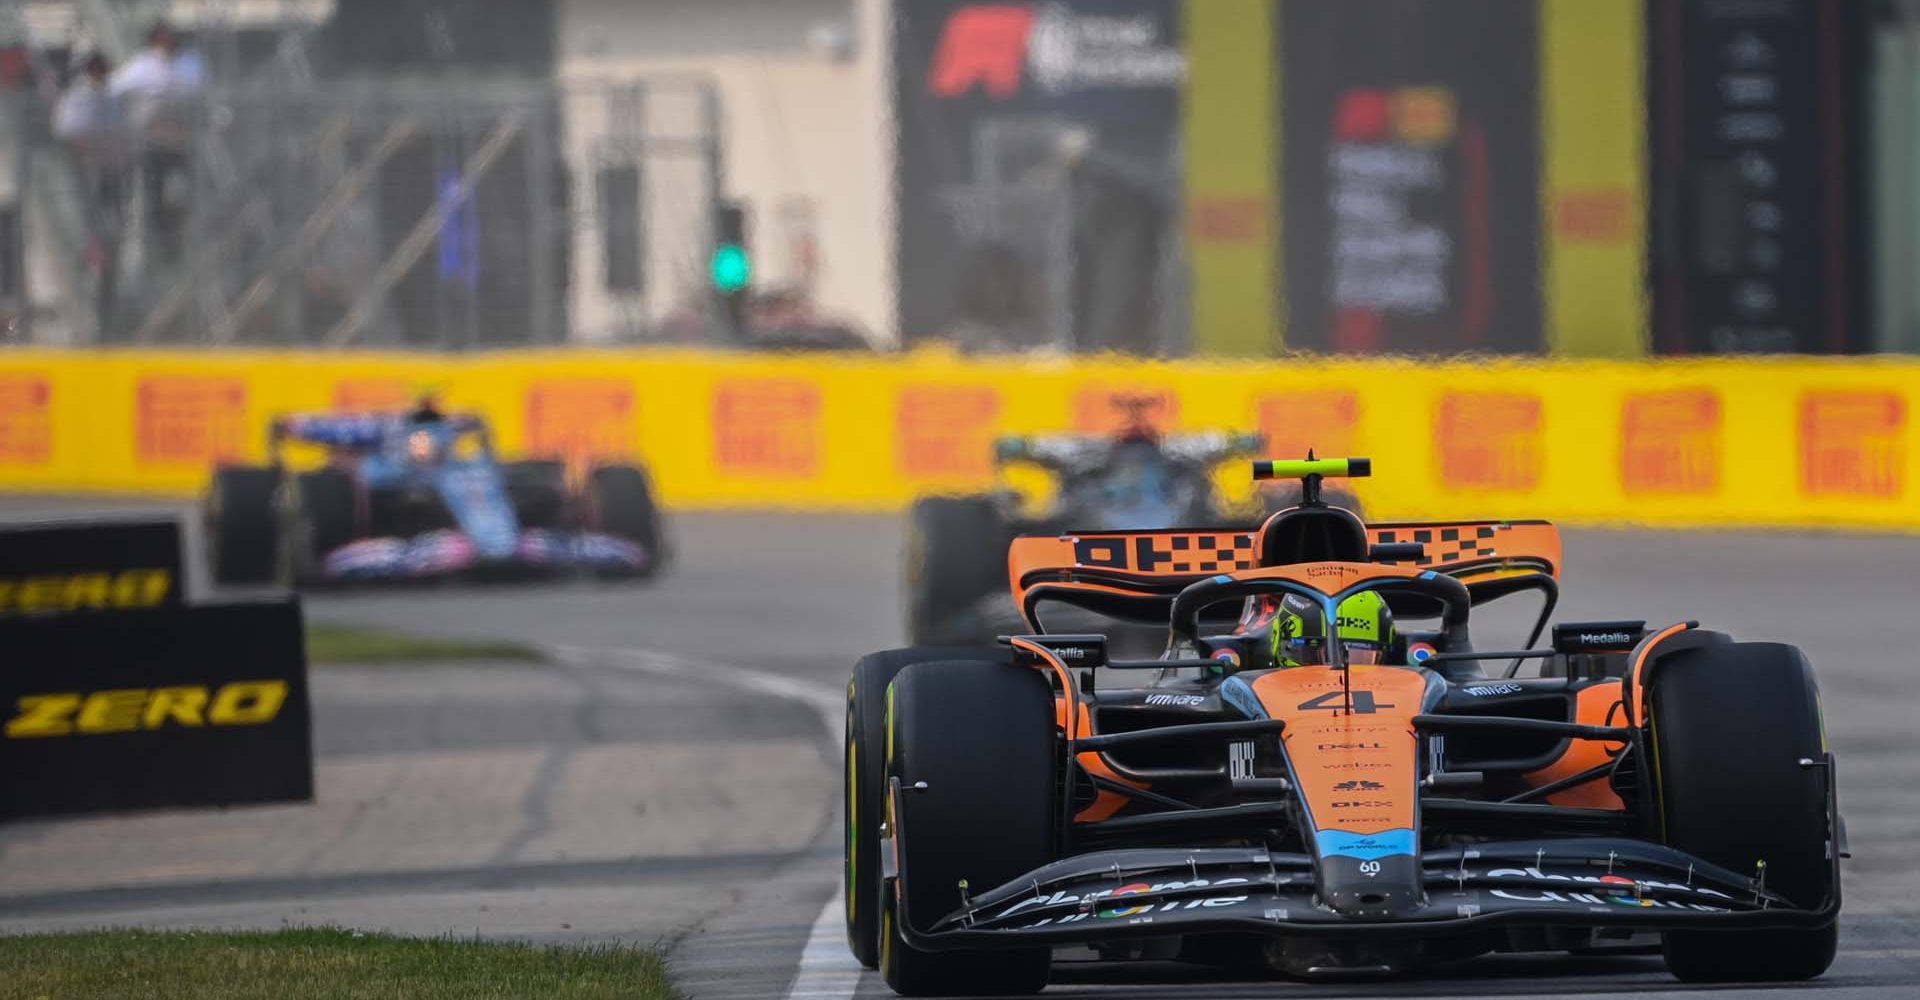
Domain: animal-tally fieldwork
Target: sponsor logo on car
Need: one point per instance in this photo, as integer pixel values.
(1483, 690)
(1606, 638)
(1364, 846)
(241, 703)
(1358, 785)
(1092, 899)
(1363, 804)
(1610, 882)
(1591, 899)
(1176, 699)
(1352, 746)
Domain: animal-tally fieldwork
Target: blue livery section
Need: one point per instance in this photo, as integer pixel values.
(1365, 846)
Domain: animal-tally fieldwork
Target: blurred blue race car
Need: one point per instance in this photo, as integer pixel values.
(419, 495)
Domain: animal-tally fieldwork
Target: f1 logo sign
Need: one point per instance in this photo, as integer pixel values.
(982, 44)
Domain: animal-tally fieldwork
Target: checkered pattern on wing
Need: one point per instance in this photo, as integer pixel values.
(1446, 545)
(1200, 553)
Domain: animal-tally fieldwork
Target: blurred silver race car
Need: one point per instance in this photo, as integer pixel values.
(1135, 479)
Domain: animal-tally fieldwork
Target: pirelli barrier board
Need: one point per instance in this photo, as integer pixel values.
(95, 565)
(1720, 442)
(154, 708)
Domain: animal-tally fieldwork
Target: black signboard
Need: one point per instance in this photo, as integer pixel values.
(165, 707)
(1039, 181)
(1752, 134)
(60, 566)
(1409, 175)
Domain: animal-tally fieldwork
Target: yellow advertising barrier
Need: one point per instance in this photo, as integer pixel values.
(1776, 442)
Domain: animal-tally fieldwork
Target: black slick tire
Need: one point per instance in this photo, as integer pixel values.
(537, 488)
(956, 556)
(865, 799)
(322, 515)
(241, 524)
(620, 502)
(981, 737)
(1730, 724)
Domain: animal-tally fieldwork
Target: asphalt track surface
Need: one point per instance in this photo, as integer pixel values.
(675, 777)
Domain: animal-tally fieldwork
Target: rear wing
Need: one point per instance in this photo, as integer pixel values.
(1134, 575)
(1474, 550)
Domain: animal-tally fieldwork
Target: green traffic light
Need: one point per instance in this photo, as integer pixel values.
(732, 269)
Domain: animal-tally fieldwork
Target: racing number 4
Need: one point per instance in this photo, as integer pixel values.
(1336, 702)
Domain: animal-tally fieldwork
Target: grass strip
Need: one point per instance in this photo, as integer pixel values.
(329, 643)
(315, 964)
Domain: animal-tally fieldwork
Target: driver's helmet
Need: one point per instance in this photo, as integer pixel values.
(425, 445)
(1364, 627)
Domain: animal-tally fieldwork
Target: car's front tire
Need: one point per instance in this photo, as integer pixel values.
(537, 489)
(241, 526)
(1731, 723)
(620, 502)
(322, 514)
(865, 796)
(980, 737)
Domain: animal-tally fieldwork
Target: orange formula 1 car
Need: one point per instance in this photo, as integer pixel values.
(1323, 776)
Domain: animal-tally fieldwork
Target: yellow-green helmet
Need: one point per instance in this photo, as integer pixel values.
(1364, 624)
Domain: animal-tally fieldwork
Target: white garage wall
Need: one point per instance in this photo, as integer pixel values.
(808, 131)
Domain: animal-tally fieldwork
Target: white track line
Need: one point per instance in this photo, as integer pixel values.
(827, 971)
(830, 704)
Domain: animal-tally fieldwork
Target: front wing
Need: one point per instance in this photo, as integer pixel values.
(1612, 882)
(451, 553)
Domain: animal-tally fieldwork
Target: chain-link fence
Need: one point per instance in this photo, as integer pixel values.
(423, 215)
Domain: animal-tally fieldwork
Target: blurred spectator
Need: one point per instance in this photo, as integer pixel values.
(157, 86)
(90, 120)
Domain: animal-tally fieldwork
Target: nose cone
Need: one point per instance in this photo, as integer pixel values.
(1372, 889)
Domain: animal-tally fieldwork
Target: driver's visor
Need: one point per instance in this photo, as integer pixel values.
(1365, 654)
(1311, 651)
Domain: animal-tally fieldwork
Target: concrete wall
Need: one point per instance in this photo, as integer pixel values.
(807, 132)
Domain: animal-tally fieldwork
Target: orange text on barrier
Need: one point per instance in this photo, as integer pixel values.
(580, 419)
(1852, 443)
(190, 419)
(945, 431)
(767, 427)
(1670, 442)
(1104, 409)
(1489, 440)
(26, 419)
(1323, 420)
(363, 395)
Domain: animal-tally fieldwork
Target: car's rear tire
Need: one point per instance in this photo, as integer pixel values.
(620, 502)
(865, 791)
(1730, 724)
(956, 556)
(537, 488)
(980, 736)
(241, 525)
(322, 514)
